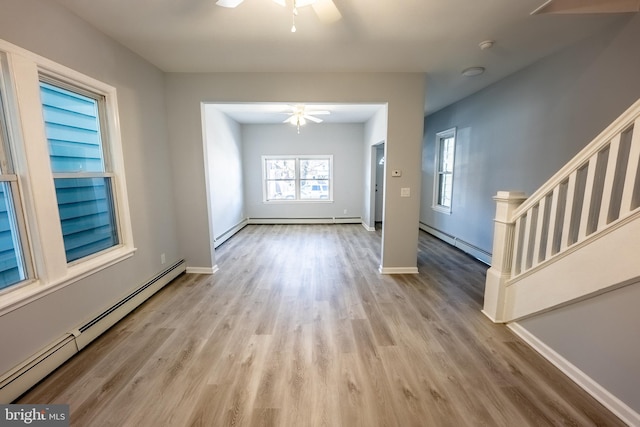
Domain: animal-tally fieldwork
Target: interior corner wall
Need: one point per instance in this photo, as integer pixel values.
(30, 24)
(341, 140)
(516, 133)
(403, 93)
(375, 132)
(223, 144)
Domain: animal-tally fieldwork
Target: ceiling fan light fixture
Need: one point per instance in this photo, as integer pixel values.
(473, 71)
(229, 3)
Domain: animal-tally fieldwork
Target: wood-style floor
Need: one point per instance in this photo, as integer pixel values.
(299, 329)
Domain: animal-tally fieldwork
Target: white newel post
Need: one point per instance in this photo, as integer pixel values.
(501, 260)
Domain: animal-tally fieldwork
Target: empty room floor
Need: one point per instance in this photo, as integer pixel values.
(298, 328)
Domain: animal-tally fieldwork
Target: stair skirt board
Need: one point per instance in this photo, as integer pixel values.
(20, 379)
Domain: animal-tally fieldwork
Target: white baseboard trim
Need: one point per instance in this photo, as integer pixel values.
(398, 270)
(467, 247)
(203, 270)
(366, 227)
(332, 220)
(611, 402)
(217, 241)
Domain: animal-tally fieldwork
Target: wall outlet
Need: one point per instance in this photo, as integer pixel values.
(163, 259)
(405, 192)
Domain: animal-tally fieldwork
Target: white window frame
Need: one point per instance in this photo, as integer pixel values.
(23, 70)
(297, 178)
(438, 172)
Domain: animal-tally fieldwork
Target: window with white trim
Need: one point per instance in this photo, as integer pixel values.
(13, 266)
(80, 168)
(297, 178)
(444, 167)
(63, 204)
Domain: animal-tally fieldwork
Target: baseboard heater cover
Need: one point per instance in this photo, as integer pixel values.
(476, 252)
(20, 379)
(319, 220)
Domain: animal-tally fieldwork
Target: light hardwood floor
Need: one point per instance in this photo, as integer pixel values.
(299, 329)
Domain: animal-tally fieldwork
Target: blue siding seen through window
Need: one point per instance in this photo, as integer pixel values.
(85, 204)
(86, 215)
(73, 130)
(11, 269)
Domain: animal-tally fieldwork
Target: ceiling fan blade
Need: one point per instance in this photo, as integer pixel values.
(280, 2)
(588, 6)
(313, 119)
(318, 112)
(229, 3)
(291, 120)
(327, 11)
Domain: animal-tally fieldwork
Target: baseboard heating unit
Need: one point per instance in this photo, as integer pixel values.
(26, 375)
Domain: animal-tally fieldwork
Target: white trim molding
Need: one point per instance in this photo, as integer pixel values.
(366, 227)
(398, 270)
(203, 270)
(611, 402)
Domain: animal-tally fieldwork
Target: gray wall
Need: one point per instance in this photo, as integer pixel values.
(343, 141)
(224, 171)
(49, 30)
(403, 92)
(513, 136)
(600, 337)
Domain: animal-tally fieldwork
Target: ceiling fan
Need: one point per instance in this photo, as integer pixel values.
(588, 6)
(299, 116)
(325, 9)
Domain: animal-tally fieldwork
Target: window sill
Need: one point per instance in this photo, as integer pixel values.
(35, 290)
(441, 209)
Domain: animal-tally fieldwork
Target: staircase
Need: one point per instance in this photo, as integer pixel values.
(578, 235)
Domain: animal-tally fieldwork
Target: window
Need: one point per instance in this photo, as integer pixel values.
(443, 180)
(292, 178)
(63, 204)
(80, 169)
(12, 263)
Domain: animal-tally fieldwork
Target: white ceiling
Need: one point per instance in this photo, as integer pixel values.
(437, 37)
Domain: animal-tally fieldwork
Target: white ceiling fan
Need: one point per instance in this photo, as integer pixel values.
(299, 116)
(325, 9)
(588, 6)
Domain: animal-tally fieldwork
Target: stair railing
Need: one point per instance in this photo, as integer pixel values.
(597, 191)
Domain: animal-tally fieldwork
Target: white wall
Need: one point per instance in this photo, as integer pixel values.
(223, 171)
(49, 30)
(343, 141)
(514, 135)
(403, 92)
